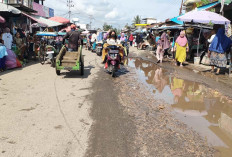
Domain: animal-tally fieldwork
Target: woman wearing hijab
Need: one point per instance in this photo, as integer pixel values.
(159, 51)
(181, 46)
(123, 38)
(165, 42)
(100, 37)
(220, 44)
(131, 39)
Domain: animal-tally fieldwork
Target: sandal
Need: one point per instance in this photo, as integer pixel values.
(217, 73)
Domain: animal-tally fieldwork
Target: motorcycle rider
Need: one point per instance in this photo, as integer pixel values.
(74, 38)
(112, 40)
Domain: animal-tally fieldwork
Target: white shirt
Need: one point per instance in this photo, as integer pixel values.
(8, 39)
(211, 39)
(111, 42)
(94, 37)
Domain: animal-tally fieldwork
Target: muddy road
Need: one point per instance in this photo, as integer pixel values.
(147, 110)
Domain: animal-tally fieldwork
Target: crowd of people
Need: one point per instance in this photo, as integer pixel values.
(22, 46)
(181, 45)
(176, 44)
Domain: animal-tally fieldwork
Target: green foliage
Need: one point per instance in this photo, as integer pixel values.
(137, 20)
(106, 27)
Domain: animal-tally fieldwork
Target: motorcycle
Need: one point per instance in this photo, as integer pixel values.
(113, 59)
(126, 48)
(99, 48)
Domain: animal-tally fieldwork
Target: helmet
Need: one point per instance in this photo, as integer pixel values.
(73, 26)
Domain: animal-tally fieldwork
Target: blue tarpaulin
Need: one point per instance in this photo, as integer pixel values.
(177, 21)
(208, 6)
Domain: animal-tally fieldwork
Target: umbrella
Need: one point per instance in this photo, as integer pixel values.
(2, 20)
(204, 17)
(85, 32)
(54, 34)
(9, 8)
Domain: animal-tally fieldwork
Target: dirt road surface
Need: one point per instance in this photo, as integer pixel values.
(95, 115)
(45, 115)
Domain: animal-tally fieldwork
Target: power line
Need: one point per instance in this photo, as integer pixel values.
(70, 5)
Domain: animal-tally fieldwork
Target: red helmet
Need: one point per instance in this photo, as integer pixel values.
(73, 26)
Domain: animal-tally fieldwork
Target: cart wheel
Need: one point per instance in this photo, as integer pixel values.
(53, 63)
(82, 66)
(57, 72)
(41, 57)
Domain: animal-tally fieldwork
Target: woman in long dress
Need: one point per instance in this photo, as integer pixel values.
(220, 44)
(181, 47)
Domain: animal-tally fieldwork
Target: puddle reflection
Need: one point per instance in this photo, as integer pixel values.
(203, 109)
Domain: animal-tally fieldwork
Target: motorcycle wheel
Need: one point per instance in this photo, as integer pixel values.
(53, 62)
(113, 71)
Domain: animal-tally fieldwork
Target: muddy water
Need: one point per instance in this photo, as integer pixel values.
(204, 109)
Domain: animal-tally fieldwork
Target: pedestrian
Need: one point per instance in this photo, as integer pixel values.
(181, 47)
(220, 44)
(165, 42)
(73, 37)
(138, 40)
(159, 51)
(131, 39)
(20, 46)
(31, 52)
(7, 38)
(3, 54)
(210, 40)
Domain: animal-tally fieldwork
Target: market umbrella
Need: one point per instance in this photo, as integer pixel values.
(204, 17)
(9, 8)
(85, 32)
(2, 20)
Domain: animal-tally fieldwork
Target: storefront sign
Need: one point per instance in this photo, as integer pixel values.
(42, 10)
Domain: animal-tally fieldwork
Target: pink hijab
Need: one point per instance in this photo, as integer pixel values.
(182, 40)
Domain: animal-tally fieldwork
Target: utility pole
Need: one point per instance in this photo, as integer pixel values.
(69, 5)
(90, 18)
(181, 7)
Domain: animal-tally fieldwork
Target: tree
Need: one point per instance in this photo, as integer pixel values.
(106, 27)
(137, 20)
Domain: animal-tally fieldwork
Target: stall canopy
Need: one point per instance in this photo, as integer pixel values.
(59, 19)
(204, 17)
(170, 27)
(9, 8)
(43, 22)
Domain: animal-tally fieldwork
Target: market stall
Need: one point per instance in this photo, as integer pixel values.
(203, 17)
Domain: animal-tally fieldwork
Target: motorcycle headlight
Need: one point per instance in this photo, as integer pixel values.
(113, 56)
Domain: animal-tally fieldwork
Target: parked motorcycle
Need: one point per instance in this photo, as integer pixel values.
(99, 48)
(113, 59)
(126, 48)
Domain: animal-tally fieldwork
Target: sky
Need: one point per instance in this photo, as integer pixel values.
(115, 12)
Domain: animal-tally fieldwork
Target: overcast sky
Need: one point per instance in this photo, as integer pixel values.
(115, 12)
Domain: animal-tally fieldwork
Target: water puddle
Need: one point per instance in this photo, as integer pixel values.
(204, 109)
